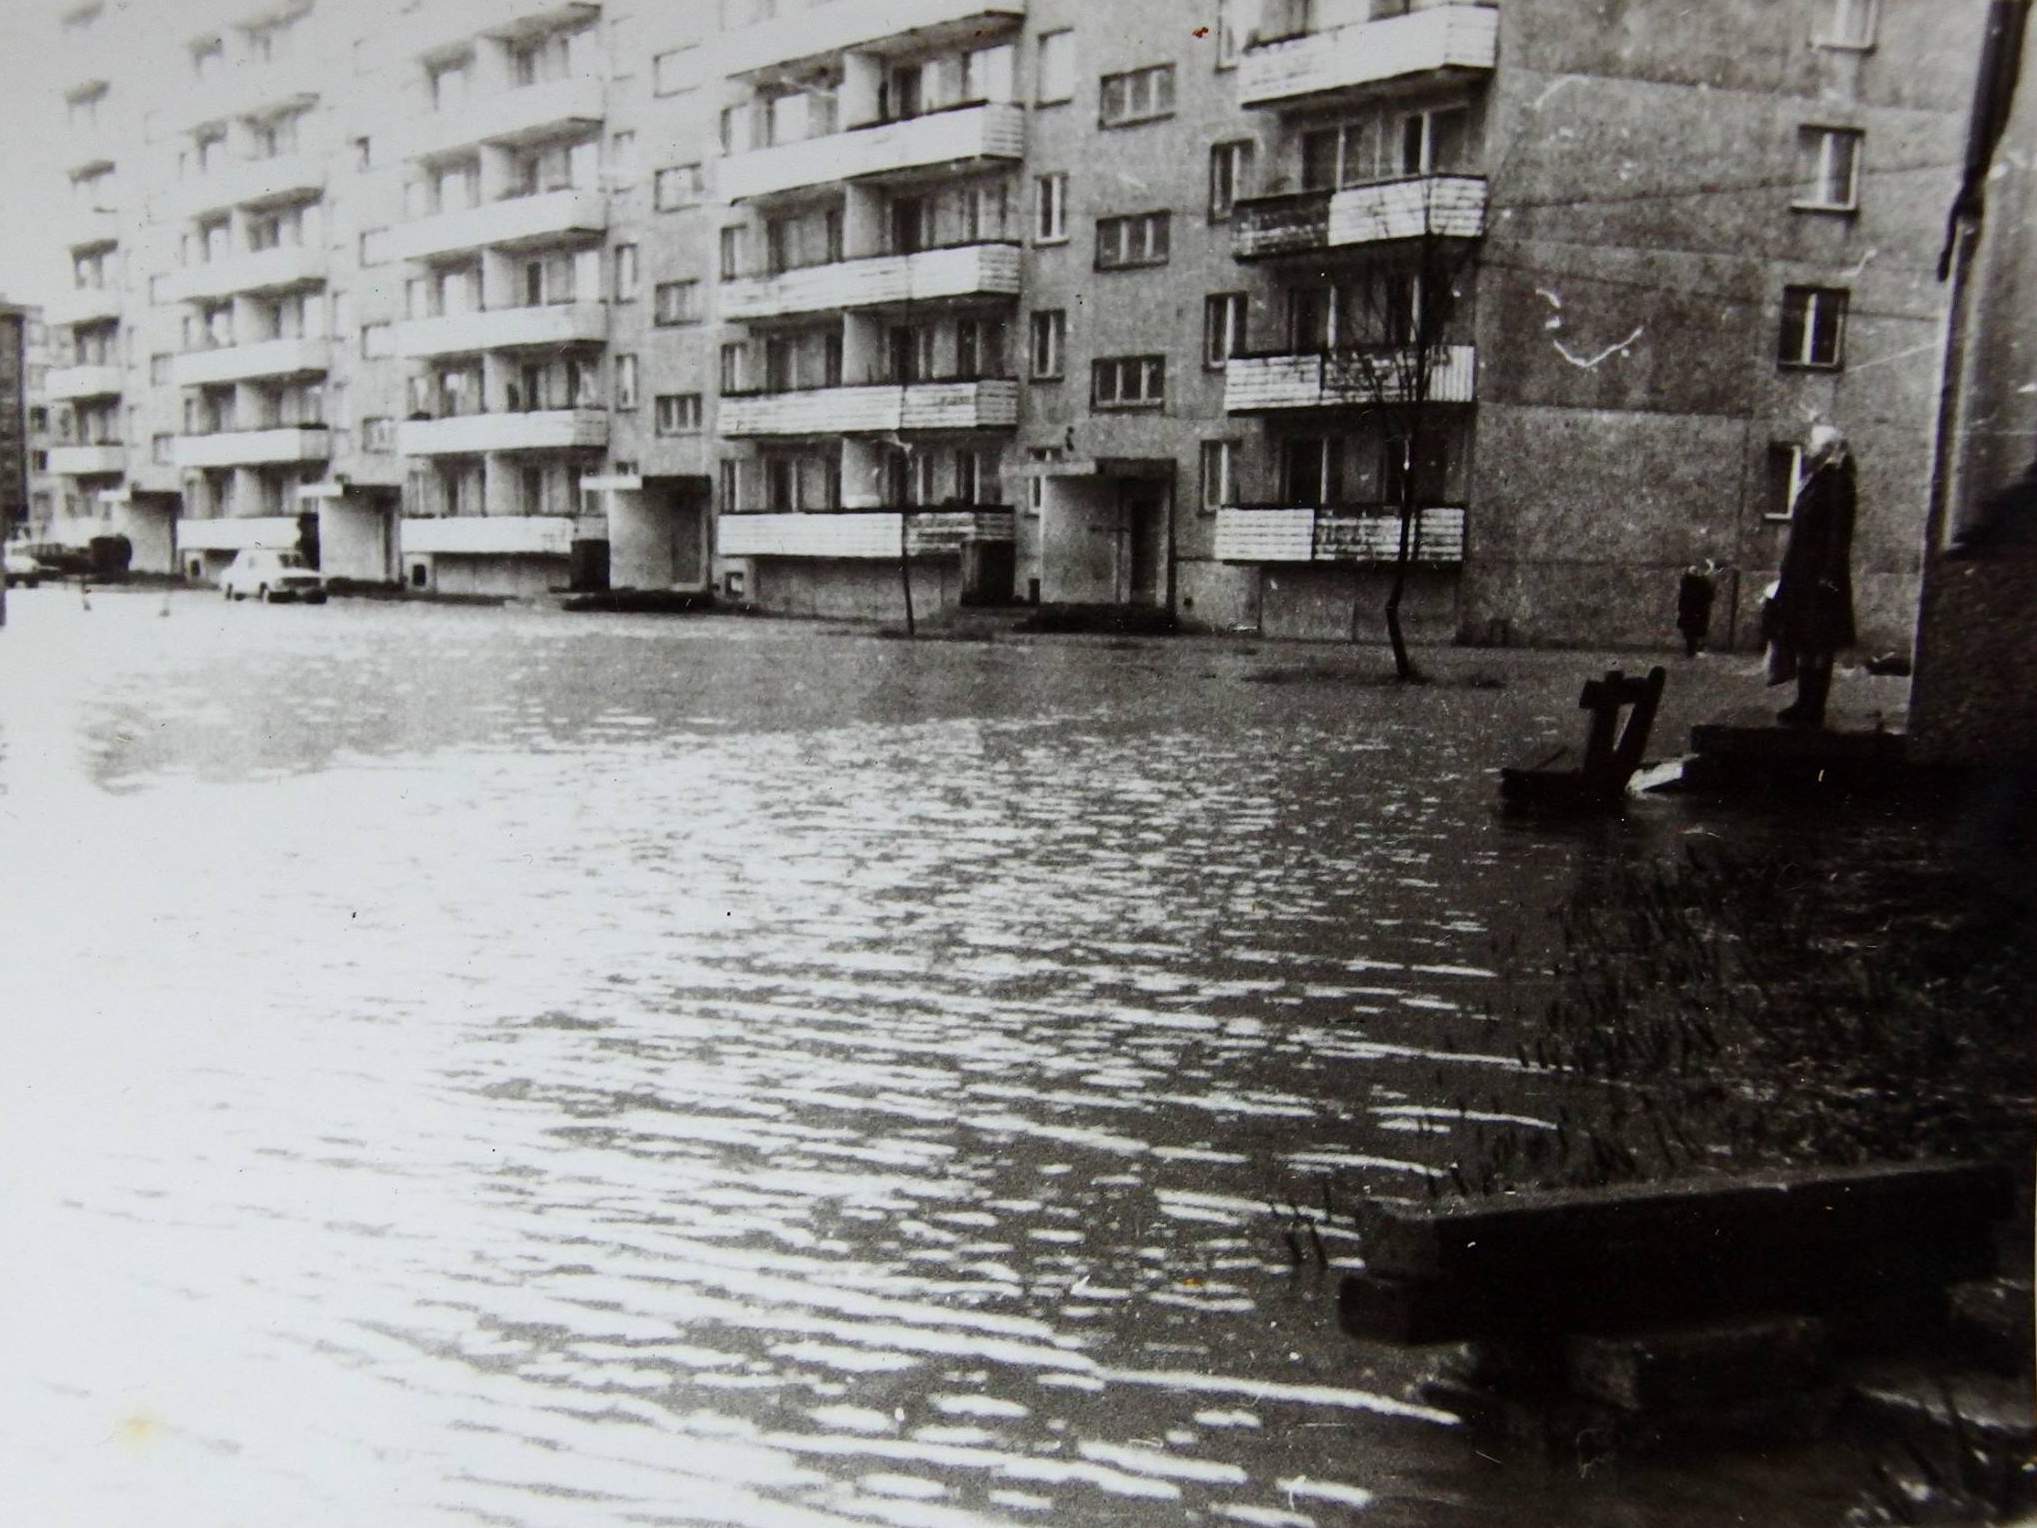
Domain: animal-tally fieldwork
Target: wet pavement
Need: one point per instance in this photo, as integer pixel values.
(469, 1066)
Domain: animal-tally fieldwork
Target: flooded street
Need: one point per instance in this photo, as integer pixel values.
(472, 1066)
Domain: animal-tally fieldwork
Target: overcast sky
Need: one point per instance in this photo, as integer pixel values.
(31, 267)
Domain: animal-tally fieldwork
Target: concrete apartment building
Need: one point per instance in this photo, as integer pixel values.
(1070, 303)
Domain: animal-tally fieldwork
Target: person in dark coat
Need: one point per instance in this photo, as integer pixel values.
(1810, 615)
(1695, 590)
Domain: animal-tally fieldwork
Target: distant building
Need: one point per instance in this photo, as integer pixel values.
(20, 344)
(1068, 302)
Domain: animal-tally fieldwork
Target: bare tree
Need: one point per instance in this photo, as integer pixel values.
(1396, 355)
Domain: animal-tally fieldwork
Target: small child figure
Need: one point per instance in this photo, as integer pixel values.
(1694, 594)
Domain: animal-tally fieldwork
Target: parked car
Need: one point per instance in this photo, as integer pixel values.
(272, 576)
(57, 559)
(23, 569)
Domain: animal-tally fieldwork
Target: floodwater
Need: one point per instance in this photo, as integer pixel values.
(499, 1067)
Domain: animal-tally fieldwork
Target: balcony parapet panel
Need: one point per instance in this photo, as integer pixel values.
(530, 430)
(1318, 68)
(564, 323)
(261, 270)
(87, 461)
(1341, 379)
(244, 183)
(1305, 222)
(812, 33)
(253, 448)
(1359, 533)
(490, 535)
(547, 215)
(262, 358)
(873, 407)
(861, 533)
(82, 305)
(960, 136)
(967, 270)
(522, 114)
(230, 533)
(64, 383)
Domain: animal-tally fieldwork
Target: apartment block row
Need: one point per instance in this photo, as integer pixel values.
(1053, 301)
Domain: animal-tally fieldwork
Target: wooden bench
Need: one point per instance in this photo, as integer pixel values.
(1611, 752)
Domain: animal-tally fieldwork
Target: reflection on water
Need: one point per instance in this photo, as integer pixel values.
(497, 1067)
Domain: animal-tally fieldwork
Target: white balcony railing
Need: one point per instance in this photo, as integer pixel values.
(969, 270)
(83, 461)
(438, 26)
(275, 533)
(251, 448)
(82, 305)
(66, 382)
(984, 405)
(564, 323)
(1444, 206)
(1355, 534)
(258, 270)
(245, 183)
(1301, 70)
(533, 430)
(1340, 379)
(249, 88)
(490, 535)
(86, 227)
(523, 114)
(514, 220)
(860, 533)
(263, 358)
(961, 135)
(813, 32)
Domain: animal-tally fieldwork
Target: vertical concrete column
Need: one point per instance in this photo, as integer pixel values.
(501, 283)
(498, 371)
(501, 485)
(862, 474)
(863, 230)
(247, 492)
(491, 67)
(495, 169)
(862, 75)
(862, 348)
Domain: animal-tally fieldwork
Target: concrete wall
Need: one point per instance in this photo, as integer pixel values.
(1084, 557)
(150, 529)
(655, 541)
(354, 540)
(1316, 602)
(1219, 596)
(851, 588)
(525, 578)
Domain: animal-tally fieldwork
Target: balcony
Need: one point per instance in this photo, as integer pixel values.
(252, 448)
(1339, 379)
(814, 32)
(277, 533)
(261, 270)
(960, 137)
(968, 270)
(239, 363)
(515, 220)
(87, 227)
(859, 533)
(85, 461)
(82, 305)
(67, 382)
(1305, 222)
(87, 150)
(963, 405)
(524, 114)
(491, 535)
(1314, 69)
(530, 430)
(439, 26)
(563, 323)
(245, 183)
(1359, 533)
(251, 87)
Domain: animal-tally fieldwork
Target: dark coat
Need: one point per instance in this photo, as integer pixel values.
(1813, 605)
(1694, 594)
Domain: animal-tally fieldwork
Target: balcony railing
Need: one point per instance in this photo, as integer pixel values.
(250, 87)
(245, 183)
(437, 26)
(857, 533)
(987, 404)
(83, 461)
(229, 533)
(261, 358)
(1354, 533)
(1342, 379)
(527, 430)
(88, 227)
(249, 448)
(959, 135)
(1315, 67)
(82, 305)
(1300, 222)
(490, 535)
(261, 270)
(514, 220)
(562, 323)
(814, 32)
(96, 380)
(523, 114)
(967, 270)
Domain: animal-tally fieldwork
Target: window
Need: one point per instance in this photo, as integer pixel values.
(1054, 65)
(1138, 96)
(1129, 382)
(625, 272)
(1786, 474)
(159, 370)
(364, 153)
(1813, 326)
(377, 341)
(732, 262)
(378, 435)
(374, 245)
(1050, 342)
(676, 186)
(449, 86)
(675, 70)
(677, 413)
(677, 302)
(1223, 327)
(1230, 165)
(622, 158)
(1232, 30)
(1140, 239)
(1828, 169)
(734, 366)
(1219, 469)
(1050, 222)
(159, 449)
(1852, 24)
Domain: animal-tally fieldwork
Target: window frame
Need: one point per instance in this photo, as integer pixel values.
(1240, 153)
(1116, 228)
(670, 413)
(1051, 324)
(1234, 307)
(1050, 195)
(1147, 79)
(624, 392)
(1151, 377)
(694, 194)
(689, 304)
(1827, 135)
(1225, 453)
(1791, 482)
(1061, 78)
(1861, 37)
(1837, 298)
(628, 273)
